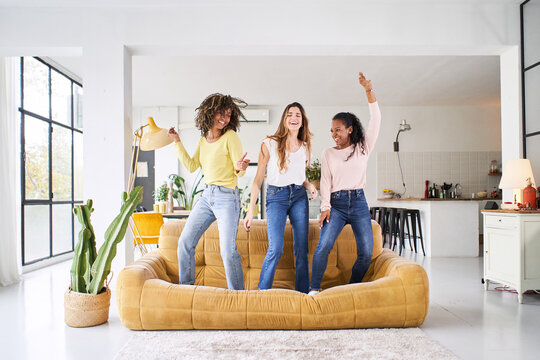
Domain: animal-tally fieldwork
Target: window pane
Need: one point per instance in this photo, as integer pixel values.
(61, 163)
(61, 98)
(36, 147)
(36, 87)
(533, 154)
(78, 165)
(62, 228)
(532, 105)
(36, 232)
(531, 32)
(77, 107)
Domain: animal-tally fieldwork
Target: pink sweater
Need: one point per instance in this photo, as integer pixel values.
(338, 174)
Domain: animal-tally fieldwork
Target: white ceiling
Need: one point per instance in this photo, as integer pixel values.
(314, 80)
(323, 81)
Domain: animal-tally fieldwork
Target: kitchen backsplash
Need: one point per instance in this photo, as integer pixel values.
(469, 169)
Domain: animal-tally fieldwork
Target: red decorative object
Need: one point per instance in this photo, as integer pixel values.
(426, 192)
(529, 196)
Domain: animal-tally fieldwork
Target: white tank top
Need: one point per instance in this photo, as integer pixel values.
(296, 166)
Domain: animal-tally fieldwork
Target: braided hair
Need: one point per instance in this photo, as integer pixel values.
(357, 136)
(219, 103)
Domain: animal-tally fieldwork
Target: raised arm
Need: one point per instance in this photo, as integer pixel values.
(264, 156)
(190, 163)
(374, 125)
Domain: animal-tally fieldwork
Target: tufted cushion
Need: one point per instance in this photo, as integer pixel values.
(253, 246)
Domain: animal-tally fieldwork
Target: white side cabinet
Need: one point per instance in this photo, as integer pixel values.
(512, 249)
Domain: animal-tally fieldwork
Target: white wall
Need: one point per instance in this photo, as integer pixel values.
(109, 36)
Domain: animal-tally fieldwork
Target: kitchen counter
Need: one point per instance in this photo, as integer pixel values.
(451, 227)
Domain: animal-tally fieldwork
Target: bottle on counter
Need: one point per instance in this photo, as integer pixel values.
(426, 192)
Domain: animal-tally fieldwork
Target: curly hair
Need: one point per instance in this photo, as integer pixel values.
(280, 137)
(357, 136)
(218, 104)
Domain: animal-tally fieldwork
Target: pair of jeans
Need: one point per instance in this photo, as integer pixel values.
(347, 207)
(216, 203)
(282, 201)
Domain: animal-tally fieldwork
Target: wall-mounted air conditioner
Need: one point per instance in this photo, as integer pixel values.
(256, 115)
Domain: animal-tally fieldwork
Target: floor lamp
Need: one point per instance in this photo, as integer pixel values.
(154, 138)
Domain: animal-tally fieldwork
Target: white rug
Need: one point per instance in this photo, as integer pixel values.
(411, 343)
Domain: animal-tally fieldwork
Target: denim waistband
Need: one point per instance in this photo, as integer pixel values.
(213, 187)
(291, 187)
(355, 193)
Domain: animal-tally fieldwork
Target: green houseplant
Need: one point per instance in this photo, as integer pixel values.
(86, 302)
(313, 173)
(183, 197)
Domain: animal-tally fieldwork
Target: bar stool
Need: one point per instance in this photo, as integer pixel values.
(412, 215)
(402, 220)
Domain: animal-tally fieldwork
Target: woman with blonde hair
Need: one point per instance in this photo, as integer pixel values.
(284, 157)
(219, 154)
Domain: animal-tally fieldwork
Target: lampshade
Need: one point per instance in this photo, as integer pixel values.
(515, 174)
(155, 138)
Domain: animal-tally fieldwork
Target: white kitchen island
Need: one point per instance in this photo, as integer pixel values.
(450, 226)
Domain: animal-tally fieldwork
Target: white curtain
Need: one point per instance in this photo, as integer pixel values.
(9, 259)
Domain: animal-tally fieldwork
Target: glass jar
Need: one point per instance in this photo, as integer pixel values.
(493, 168)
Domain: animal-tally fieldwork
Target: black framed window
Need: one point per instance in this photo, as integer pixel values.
(530, 80)
(51, 159)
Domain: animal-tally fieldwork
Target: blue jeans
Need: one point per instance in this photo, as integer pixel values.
(223, 204)
(348, 207)
(282, 201)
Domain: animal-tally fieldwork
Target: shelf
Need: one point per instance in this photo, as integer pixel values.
(495, 174)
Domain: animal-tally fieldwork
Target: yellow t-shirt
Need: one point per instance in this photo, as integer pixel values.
(217, 159)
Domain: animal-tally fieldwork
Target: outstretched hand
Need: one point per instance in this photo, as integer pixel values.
(242, 163)
(173, 135)
(364, 82)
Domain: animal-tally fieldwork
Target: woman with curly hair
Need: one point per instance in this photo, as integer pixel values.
(284, 157)
(343, 178)
(219, 154)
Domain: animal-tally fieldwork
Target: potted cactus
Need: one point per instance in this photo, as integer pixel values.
(86, 302)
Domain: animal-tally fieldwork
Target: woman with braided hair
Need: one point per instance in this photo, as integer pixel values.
(343, 178)
(219, 154)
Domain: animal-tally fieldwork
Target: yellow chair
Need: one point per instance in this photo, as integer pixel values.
(145, 229)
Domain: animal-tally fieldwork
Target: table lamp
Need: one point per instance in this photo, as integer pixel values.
(518, 175)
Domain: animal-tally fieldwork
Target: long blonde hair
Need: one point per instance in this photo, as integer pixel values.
(280, 136)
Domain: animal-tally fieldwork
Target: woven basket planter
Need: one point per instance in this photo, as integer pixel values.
(83, 310)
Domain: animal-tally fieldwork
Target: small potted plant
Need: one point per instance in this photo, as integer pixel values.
(160, 197)
(313, 173)
(184, 198)
(86, 302)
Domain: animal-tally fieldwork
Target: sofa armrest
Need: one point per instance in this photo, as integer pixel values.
(412, 276)
(130, 284)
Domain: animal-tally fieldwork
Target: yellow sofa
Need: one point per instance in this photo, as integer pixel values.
(394, 293)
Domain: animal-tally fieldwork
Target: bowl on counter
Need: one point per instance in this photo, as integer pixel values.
(481, 194)
(388, 195)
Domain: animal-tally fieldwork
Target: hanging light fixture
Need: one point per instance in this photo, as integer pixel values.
(403, 126)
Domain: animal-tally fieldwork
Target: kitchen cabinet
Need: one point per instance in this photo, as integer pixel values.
(512, 249)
